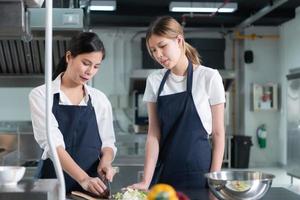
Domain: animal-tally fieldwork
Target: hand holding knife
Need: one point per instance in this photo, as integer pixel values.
(107, 192)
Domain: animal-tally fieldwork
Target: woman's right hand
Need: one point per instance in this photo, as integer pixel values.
(93, 185)
(140, 186)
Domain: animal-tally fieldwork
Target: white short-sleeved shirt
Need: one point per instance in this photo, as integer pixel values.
(207, 90)
(101, 104)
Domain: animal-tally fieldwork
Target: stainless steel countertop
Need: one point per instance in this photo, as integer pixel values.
(40, 189)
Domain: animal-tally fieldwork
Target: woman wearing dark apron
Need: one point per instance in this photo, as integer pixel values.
(82, 126)
(185, 106)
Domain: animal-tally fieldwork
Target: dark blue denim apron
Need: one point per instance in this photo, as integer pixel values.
(185, 152)
(79, 127)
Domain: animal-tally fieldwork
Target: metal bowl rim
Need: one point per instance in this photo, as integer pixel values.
(268, 176)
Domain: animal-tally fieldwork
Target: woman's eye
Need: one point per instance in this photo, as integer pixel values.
(85, 63)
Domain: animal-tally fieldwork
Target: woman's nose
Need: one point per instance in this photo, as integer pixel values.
(88, 70)
(158, 54)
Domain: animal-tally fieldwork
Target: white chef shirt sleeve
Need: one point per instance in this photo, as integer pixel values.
(150, 95)
(216, 89)
(104, 117)
(37, 102)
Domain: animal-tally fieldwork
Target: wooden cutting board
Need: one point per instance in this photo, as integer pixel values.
(81, 196)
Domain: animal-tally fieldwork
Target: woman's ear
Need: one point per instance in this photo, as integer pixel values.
(180, 40)
(68, 56)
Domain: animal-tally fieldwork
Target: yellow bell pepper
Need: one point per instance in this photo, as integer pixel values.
(162, 192)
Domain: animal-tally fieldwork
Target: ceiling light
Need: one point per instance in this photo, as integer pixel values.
(202, 7)
(99, 5)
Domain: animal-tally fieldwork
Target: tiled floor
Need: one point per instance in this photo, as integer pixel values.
(281, 178)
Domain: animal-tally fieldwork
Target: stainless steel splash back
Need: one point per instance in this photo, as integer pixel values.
(23, 58)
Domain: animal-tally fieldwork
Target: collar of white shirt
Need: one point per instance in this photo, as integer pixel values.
(62, 97)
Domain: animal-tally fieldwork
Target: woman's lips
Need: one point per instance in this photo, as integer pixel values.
(83, 78)
(164, 62)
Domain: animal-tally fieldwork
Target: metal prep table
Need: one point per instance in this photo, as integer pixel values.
(275, 193)
(47, 189)
(40, 189)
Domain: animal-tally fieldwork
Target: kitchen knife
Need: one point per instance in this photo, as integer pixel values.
(107, 192)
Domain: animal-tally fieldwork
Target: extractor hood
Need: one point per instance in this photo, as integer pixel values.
(34, 3)
(22, 55)
(20, 17)
(13, 18)
(64, 19)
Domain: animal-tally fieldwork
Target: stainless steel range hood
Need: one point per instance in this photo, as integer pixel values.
(22, 63)
(22, 58)
(12, 18)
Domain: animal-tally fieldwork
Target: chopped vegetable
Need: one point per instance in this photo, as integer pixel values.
(130, 194)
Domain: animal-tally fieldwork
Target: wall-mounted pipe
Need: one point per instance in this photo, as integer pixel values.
(208, 15)
(260, 13)
(49, 98)
(239, 36)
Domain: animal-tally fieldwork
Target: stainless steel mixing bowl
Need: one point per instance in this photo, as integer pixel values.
(239, 184)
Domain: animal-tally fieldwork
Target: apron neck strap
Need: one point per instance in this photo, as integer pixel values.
(189, 79)
(189, 82)
(56, 99)
(163, 82)
(89, 103)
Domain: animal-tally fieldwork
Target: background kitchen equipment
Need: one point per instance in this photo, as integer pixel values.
(41, 189)
(130, 170)
(140, 113)
(293, 124)
(22, 62)
(11, 175)
(19, 146)
(239, 185)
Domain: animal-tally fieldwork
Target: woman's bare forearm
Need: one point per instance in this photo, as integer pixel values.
(70, 166)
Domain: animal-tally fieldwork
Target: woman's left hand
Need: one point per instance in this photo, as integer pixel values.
(107, 170)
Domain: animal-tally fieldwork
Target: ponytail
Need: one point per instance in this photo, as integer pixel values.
(192, 54)
(60, 67)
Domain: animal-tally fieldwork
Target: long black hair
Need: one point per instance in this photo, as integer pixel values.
(84, 42)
